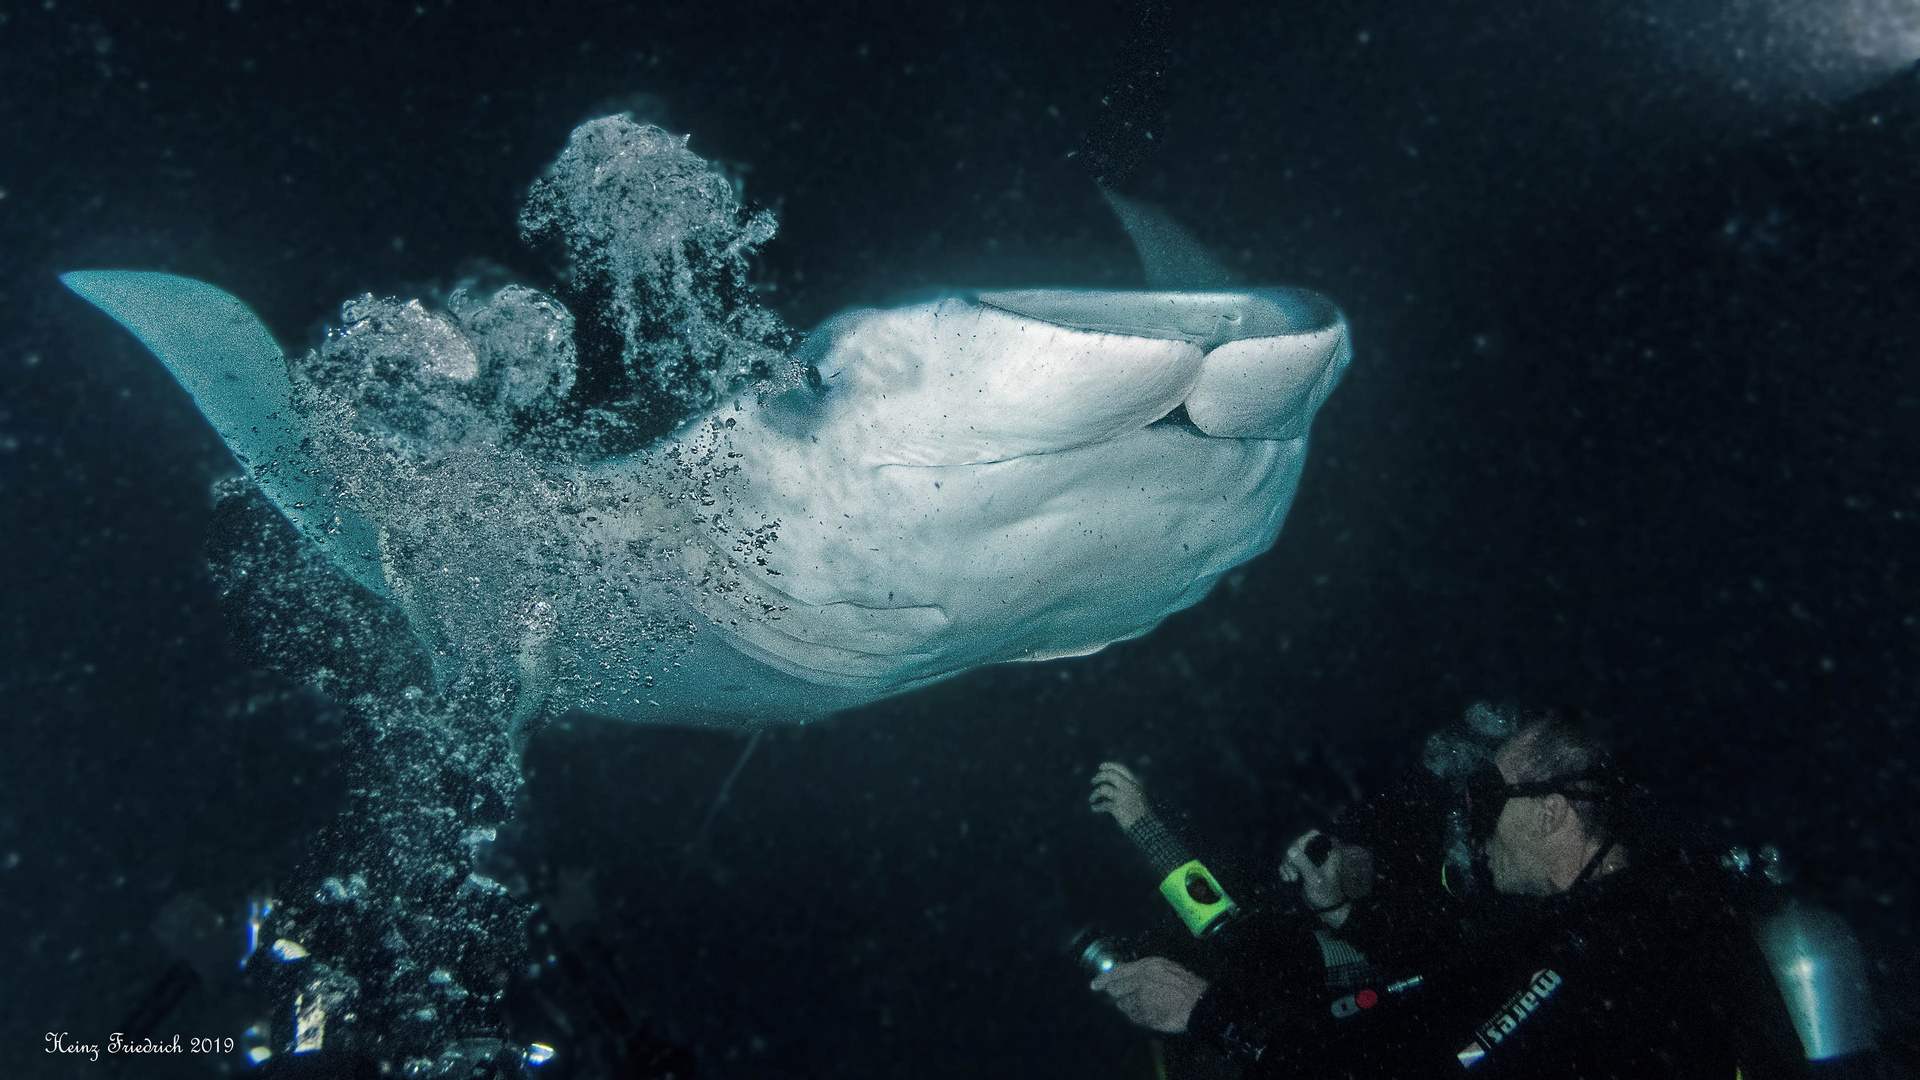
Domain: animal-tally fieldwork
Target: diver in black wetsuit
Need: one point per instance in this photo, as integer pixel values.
(1611, 954)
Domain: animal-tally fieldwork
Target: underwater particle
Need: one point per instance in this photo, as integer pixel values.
(289, 950)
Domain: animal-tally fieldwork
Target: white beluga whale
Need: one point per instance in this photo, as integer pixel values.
(941, 486)
(981, 480)
(920, 491)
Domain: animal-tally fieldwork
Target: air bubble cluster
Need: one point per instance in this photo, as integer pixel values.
(532, 552)
(484, 372)
(657, 244)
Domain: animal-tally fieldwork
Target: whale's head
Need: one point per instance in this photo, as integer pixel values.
(1007, 476)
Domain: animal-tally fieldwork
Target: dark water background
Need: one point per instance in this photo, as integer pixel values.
(1630, 432)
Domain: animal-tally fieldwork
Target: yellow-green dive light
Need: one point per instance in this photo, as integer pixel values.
(1197, 896)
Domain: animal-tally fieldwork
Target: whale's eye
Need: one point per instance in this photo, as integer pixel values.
(813, 377)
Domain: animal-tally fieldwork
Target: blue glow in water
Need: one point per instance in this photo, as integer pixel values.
(257, 912)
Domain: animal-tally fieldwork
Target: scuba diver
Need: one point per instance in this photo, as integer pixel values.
(1613, 944)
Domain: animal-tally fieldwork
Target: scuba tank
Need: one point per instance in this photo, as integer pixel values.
(1822, 974)
(1817, 965)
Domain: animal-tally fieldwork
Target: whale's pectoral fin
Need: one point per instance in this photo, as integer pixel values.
(1171, 258)
(237, 375)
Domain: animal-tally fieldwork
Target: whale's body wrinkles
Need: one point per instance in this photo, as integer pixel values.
(931, 488)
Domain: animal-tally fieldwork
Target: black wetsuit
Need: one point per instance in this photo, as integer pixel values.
(1646, 972)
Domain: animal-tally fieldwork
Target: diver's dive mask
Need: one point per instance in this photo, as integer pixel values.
(1487, 793)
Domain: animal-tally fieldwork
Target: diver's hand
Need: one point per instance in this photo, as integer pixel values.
(1118, 792)
(1154, 993)
(1323, 887)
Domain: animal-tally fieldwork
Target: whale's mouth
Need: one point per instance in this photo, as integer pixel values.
(1009, 375)
(1271, 356)
(1178, 418)
(1206, 319)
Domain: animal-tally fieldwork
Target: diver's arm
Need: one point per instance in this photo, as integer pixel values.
(1165, 849)
(1116, 791)
(1262, 965)
(1411, 1022)
(1274, 980)
(1247, 1013)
